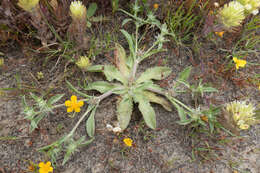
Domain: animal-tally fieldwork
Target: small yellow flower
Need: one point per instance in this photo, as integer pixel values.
(128, 142)
(220, 34)
(73, 104)
(204, 118)
(155, 6)
(45, 168)
(28, 5)
(239, 62)
(78, 10)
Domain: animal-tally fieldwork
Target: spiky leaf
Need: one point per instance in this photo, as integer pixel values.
(157, 99)
(54, 99)
(184, 75)
(124, 111)
(156, 73)
(129, 40)
(111, 73)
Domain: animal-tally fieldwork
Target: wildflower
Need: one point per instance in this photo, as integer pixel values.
(128, 142)
(28, 5)
(83, 62)
(155, 6)
(73, 104)
(204, 118)
(216, 4)
(232, 14)
(239, 62)
(220, 34)
(242, 114)
(251, 6)
(45, 168)
(78, 10)
(40, 75)
(116, 129)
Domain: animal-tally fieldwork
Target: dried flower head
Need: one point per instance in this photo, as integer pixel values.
(231, 15)
(242, 113)
(128, 142)
(28, 5)
(78, 10)
(83, 62)
(251, 6)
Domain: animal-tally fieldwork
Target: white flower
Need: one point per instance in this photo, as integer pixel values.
(255, 12)
(109, 127)
(216, 4)
(117, 130)
(248, 7)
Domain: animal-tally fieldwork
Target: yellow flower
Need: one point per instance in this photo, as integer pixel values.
(28, 5)
(239, 62)
(73, 104)
(155, 6)
(204, 118)
(78, 10)
(128, 142)
(45, 168)
(220, 34)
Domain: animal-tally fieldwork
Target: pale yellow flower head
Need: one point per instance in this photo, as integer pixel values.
(28, 5)
(78, 10)
(242, 113)
(231, 15)
(251, 6)
(83, 62)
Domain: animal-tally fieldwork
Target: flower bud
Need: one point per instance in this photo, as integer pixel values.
(78, 11)
(83, 62)
(28, 5)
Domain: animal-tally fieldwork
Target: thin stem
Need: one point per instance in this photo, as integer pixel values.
(180, 103)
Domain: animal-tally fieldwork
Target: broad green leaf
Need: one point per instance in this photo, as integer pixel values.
(91, 10)
(129, 40)
(124, 111)
(120, 57)
(157, 99)
(90, 124)
(184, 75)
(100, 86)
(54, 99)
(147, 111)
(95, 68)
(111, 73)
(156, 73)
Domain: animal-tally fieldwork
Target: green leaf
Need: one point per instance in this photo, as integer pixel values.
(76, 91)
(91, 10)
(125, 21)
(35, 121)
(54, 99)
(111, 73)
(95, 68)
(151, 53)
(156, 73)
(120, 57)
(184, 75)
(124, 111)
(90, 124)
(100, 86)
(129, 40)
(146, 110)
(157, 99)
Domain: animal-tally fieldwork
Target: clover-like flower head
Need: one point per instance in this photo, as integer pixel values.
(231, 15)
(28, 5)
(242, 113)
(83, 62)
(251, 6)
(78, 11)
